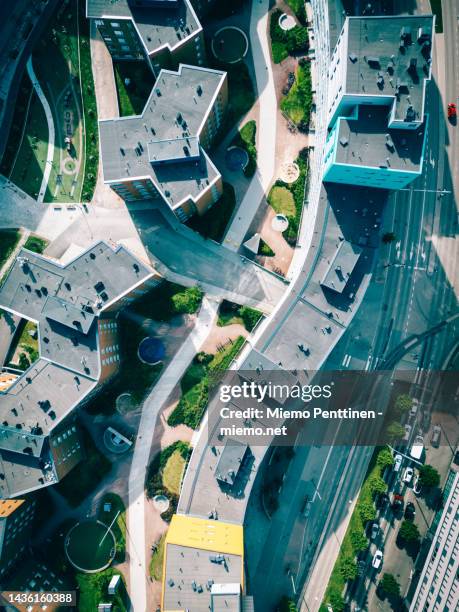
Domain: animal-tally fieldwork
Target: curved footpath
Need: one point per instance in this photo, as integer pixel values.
(138, 566)
(51, 130)
(266, 132)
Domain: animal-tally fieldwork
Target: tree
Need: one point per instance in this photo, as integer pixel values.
(377, 485)
(394, 431)
(187, 301)
(348, 568)
(359, 540)
(389, 237)
(428, 476)
(403, 404)
(367, 511)
(385, 458)
(336, 601)
(409, 532)
(389, 585)
(250, 316)
(24, 363)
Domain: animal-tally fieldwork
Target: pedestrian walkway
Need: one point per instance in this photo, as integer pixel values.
(51, 130)
(150, 410)
(266, 145)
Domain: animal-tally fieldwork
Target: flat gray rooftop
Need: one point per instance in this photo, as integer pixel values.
(342, 265)
(185, 565)
(66, 300)
(171, 120)
(230, 462)
(21, 473)
(380, 51)
(367, 141)
(160, 24)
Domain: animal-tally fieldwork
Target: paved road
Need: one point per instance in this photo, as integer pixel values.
(266, 132)
(138, 565)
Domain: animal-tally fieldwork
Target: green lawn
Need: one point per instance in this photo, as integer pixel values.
(264, 249)
(212, 224)
(297, 103)
(21, 110)
(119, 526)
(173, 472)
(26, 345)
(93, 590)
(290, 42)
(230, 313)
(36, 244)
(281, 199)
(28, 166)
(155, 483)
(132, 97)
(8, 241)
(89, 106)
(436, 10)
(87, 475)
(157, 558)
(246, 139)
(195, 396)
(281, 202)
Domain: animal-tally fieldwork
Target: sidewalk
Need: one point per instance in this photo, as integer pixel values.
(151, 407)
(51, 130)
(266, 130)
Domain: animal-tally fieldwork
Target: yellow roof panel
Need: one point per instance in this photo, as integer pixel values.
(206, 535)
(8, 506)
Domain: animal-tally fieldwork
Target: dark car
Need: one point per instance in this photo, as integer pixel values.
(410, 511)
(382, 501)
(397, 502)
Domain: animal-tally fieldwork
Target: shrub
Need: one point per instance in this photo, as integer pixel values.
(250, 316)
(428, 476)
(359, 540)
(389, 585)
(409, 532)
(187, 301)
(348, 568)
(394, 431)
(377, 485)
(385, 458)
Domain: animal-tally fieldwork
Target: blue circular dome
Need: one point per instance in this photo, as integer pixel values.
(151, 350)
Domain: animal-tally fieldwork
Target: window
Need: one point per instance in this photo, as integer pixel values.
(114, 24)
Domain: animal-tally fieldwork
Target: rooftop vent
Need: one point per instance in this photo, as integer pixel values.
(373, 61)
(67, 286)
(353, 57)
(424, 34)
(343, 141)
(122, 151)
(199, 90)
(158, 92)
(92, 255)
(405, 34)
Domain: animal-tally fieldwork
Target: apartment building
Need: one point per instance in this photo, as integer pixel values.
(16, 522)
(161, 154)
(163, 32)
(378, 75)
(75, 307)
(438, 586)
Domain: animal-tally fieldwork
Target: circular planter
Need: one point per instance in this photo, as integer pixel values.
(230, 45)
(161, 503)
(151, 350)
(289, 172)
(286, 22)
(279, 223)
(89, 547)
(236, 158)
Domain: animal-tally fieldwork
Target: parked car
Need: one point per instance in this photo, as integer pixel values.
(410, 511)
(407, 433)
(397, 502)
(408, 475)
(306, 509)
(417, 485)
(426, 417)
(361, 566)
(436, 435)
(452, 111)
(414, 408)
(377, 559)
(397, 463)
(382, 501)
(374, 531)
